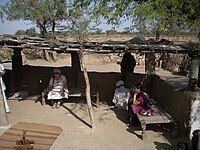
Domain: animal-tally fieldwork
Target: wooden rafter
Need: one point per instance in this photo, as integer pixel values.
(62, 46)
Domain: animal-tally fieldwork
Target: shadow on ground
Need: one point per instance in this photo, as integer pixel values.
(121, 114)
(76, 116)
(163, 129)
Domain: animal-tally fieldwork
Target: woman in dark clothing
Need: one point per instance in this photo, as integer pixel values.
(127, 65)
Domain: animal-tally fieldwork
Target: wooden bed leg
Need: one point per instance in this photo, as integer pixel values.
(175, 129)
(43, 99)
(97, 102)
(143, 126)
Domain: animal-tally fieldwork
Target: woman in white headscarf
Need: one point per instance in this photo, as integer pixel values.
(121, 95)
(57, 89)
(3, 87)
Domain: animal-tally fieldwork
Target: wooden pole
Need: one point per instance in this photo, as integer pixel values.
(198, 144)
(87, 90)
(46, 55)
(3, 114)
(76, 67)
(17, 68)
(194, 70)
(150, 63)
(54, 56)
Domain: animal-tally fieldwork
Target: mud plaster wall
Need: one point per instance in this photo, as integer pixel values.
(176, 103)
(103, 81)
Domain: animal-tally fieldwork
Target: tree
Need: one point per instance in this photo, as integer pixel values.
(29, 32)
(168, 15)
(20, 32)
(97, 31)
(44, 14)
(112, 31)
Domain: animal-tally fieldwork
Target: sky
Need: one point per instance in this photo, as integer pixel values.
(10, 27)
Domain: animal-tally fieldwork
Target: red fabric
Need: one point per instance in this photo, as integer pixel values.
(139, 108)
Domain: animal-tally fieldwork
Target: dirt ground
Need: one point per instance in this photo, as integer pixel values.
(111, 131)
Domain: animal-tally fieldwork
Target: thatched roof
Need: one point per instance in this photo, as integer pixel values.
(133, 45)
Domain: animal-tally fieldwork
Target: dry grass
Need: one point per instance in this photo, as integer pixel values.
(5, 53)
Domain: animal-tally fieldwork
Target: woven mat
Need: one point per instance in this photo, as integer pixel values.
(42, 134)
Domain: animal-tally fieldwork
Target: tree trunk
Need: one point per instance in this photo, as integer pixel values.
(3, 114)
(198, 36)
(53, 26)
(158, 34)
(42, 26)
(54, 53)
(43, 32)
(87, 82)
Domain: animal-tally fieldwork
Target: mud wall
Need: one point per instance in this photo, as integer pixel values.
(105, 83)
(176, 103)
(35, 79)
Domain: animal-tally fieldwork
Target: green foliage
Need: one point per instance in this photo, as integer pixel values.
(97, 31)
(81, 21)
(111, 31)
(45, 13)
(83, 16)
(20, 32)
(169, 15)
(29, 32)
(49, 15)
(80, 27)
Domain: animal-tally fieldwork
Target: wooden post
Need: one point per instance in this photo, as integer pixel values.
(17, 68)
(194, 69)
(143, 126)
(46, 55)
(75, 60)
(76, 67)
(3, 114)
(150, 63)
(198, 144)
(87, 82)
(54, 56)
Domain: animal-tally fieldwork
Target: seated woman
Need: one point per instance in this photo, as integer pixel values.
(139, 103)
(121, 95)
(57, 89)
